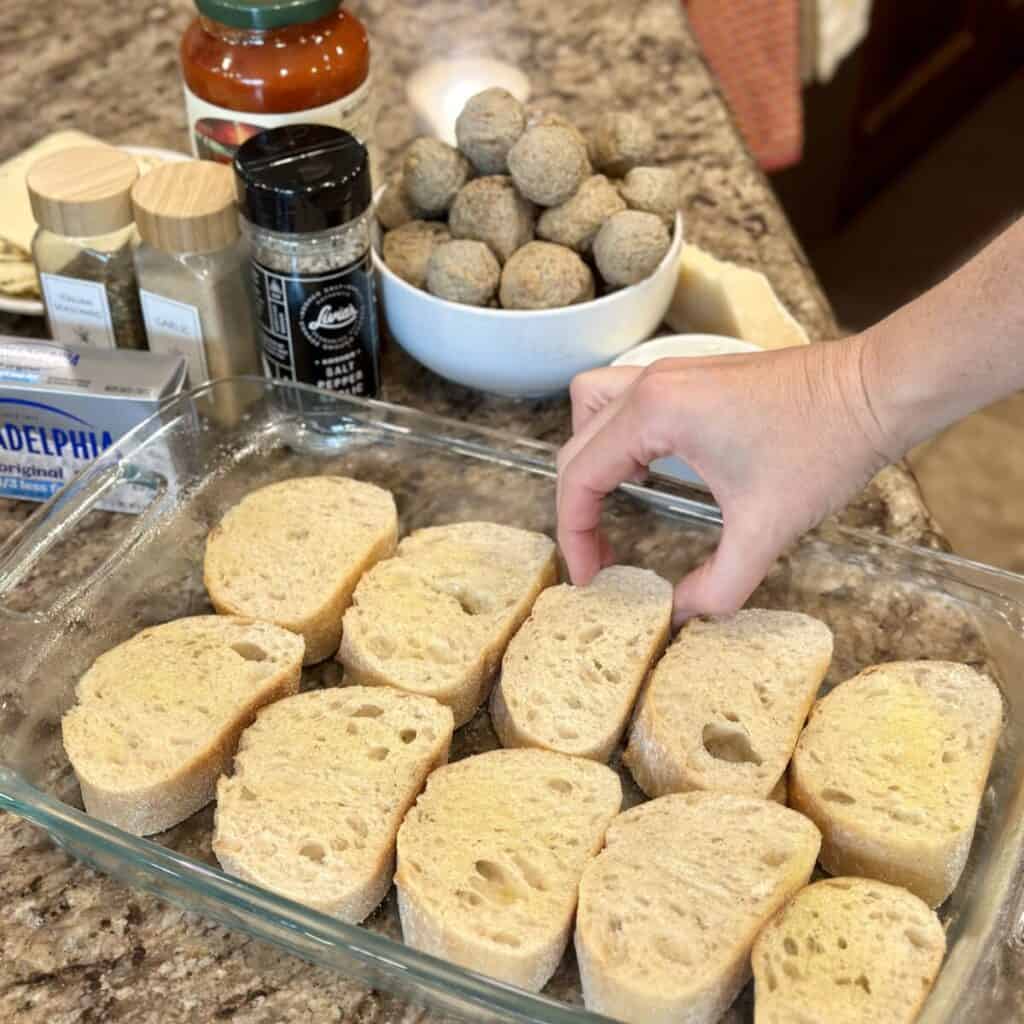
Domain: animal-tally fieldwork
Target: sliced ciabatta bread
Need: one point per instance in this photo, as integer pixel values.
(726, 703)
(670, 908)
(292, 553)
(571, 674)
(436, 618)
(158, 717)
(892, 767)
(320, 785)
(489, 859)
(847, 951)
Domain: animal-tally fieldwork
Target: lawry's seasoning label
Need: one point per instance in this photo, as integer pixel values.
(304, 194)
(320, 329)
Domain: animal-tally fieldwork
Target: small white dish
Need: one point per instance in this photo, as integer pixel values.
(34, 307)
(525, 353)
(676, 346)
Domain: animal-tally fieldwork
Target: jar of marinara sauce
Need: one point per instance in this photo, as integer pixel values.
(255, 64)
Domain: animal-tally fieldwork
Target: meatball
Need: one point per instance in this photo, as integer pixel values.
(463, 271)
(652, 190)
(407, 249)
(490, 210)
(575, 223)
(542, 275)
(548, 164)
(488, 127)
(629, 246)
(393, 209)
(432, 174)
(549, 119)
(621, 142)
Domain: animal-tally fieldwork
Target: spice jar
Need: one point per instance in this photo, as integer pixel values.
(255, 64)
(81, 200)
(304, 193)
(192, 269)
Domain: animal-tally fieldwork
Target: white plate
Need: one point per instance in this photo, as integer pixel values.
(675, 346)
(34, 307)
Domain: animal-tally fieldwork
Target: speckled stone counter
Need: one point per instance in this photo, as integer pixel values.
(77, 947)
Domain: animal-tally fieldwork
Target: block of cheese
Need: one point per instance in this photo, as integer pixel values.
(717, 297)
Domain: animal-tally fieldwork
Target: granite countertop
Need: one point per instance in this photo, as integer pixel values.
(78, 947)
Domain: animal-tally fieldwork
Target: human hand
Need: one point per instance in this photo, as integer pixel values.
(782, 439)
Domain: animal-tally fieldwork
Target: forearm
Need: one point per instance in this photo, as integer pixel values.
(957, 348)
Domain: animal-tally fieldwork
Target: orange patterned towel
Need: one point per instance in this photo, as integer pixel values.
(753, 47)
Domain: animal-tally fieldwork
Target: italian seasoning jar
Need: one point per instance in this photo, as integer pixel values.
(192, 269)
(83, 249)
(304, 193)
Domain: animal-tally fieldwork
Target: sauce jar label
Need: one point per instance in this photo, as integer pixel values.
(216, 132)
(320, 329)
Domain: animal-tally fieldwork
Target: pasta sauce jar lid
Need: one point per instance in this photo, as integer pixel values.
(265, 14)
(302, 178)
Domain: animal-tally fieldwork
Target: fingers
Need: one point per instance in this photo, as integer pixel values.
(613, 454)
(720, 586)
(591, 392)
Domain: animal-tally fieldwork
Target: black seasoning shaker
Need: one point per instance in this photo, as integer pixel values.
(305, 196)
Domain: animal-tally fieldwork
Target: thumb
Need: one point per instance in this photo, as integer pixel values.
(721, 584)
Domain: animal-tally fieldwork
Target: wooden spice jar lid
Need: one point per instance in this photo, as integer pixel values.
(187, 206)
(83, 191)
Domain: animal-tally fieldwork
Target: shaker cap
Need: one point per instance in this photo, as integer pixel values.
(302, 178)
(187, 206)
(83, 190)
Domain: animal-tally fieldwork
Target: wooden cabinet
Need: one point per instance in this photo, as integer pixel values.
(924, 64)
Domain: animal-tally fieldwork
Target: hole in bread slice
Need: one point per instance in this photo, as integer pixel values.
(729, 742)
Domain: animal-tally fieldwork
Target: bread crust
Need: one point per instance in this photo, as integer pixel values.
(725, 705)
(100, 750)
(446, 626)
(572, 672)
(355, 526)
(901, 804)
(363, 753)
(490, 858)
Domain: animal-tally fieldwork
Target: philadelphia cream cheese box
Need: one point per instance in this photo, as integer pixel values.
(63, 405)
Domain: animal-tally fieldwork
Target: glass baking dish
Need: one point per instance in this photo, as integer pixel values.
(76, 580)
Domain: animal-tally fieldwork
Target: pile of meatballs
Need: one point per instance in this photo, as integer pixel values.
(525, 210)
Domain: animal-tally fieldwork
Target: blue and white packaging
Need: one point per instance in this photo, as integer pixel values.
(63, 405)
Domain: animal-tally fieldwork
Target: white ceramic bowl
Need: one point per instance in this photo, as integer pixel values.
(674, 346)
(525, 353)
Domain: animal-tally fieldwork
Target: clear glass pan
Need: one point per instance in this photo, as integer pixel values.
(76, 580)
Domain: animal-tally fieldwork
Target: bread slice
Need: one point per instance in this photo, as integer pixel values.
(320, 786)
(900, 804)
(571, 674)
(292, 553)
(669, 910)
(158, 717)
(436, 618)
(847, 951)
(726, 704)
(490, 857)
